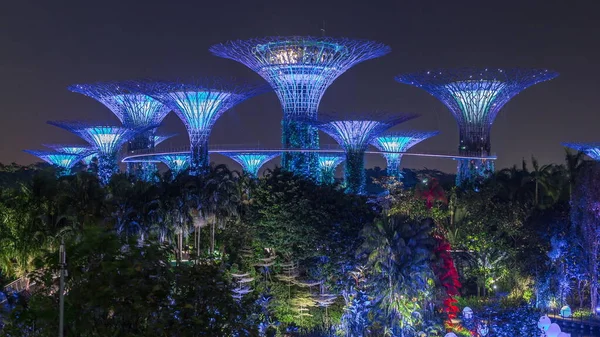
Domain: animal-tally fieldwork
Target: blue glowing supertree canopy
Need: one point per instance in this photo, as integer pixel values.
(161, 138)
(354, 136)
(328, 162)
(251, 161)
(175, 162)
(63, 160)
(133, 109)
(300, 69)
(199, 105)
(69, 148)
(87, 160)
(396, 143)
(475, 96)
(592, 150)
(106, 141)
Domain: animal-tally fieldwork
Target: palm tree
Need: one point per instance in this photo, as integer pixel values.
(540, 176)
(574, 163)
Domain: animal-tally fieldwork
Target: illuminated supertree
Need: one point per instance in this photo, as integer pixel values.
(87, 160)
(161, 138)
(591, 150)
(106, 141)
(474, 97)
(396, 143)
(251, 161)
(177, 163)
(354, 136)
(69, 148)
(328, 162)
(199, 105)
(63, 160)
(300, 69)
(135, 110)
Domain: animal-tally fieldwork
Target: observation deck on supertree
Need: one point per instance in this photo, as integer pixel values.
(199, 105)
(63, 160)
(251, 161)
(474, 97)
(134, 110)
(328, 162)
(591, 150)
(393, 144)
(106, 140)
(300, 69)
(355, 136)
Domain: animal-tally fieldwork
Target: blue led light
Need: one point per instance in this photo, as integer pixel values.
(251, 161)
(328, 162)
(591, 150)
(395, 143)
(300, 69)
(68, 148)
(177, 163)
(64, 161)
(474, 97)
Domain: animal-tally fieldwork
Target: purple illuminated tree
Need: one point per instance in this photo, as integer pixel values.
(64, 161)
(592, 150)
(393, 144)
(251, 161)
(328, 162)
(199, 105)
(474, 97)
(135, 110)
(300, 69)
(106, 141)
(355, 136)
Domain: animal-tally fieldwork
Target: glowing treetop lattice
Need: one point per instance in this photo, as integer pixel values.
(161, 138)
(300, 68)
(107, 140)
(475, 96)
(70, 148)
(251, 161)
(328, 162)
(175, 162)
(355, 135)
(61, 159)
(133, 109)
(396, 143)
(592, 150)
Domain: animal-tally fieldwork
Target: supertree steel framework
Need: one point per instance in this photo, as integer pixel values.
(161, 138)
(251, 161)
(105, 139)
(135, 110)
(591, 150)
(70, 148)
(328, 162)
(87, 160)
(63, 160)
(475, 96)
(300, 69)
(177, 163)
(393, 144)
(199, 105)
(355, 136)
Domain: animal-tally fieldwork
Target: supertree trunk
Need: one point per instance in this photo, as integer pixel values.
(354, 173)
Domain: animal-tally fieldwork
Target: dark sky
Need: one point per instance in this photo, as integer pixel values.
(47, 45)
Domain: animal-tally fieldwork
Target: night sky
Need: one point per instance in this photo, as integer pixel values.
(47, 45)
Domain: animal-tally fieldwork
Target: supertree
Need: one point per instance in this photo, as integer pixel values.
(474, 97)
(199, 105)
(105, 139)
(592, 150)
(354, 136)
(176, 162)
(251, 161)
(63, 160)
(87, 160)
(135, 110)
(328, 162)
(393, 144)
(161, 138)
(300, 69)
(70, 148)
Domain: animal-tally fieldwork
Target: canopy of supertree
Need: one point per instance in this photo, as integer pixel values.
(199, 105)
(87, 160)
(69, 148)
(161, 138)
(251, 161)
(106, 140)
(355, 136)
(65, 161)
(300, 69)
(397, 142)
(328, 162)
(177, 163)
(591, 150)
(475, 96)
